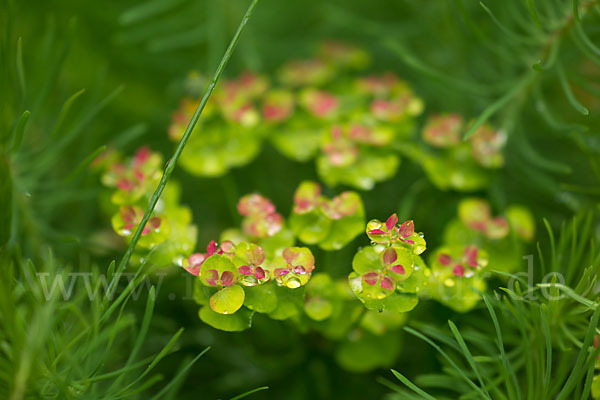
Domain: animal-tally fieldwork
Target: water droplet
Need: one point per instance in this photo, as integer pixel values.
(449, 282)
(293, 283)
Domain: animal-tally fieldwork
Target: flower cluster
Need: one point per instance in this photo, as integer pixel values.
(228, 134)
(131, 182)
(318, 107)
(229, 271)
(351, 126)
(502, 236)
(456, 276)
(389, 274)
(261, 219)
(457, 164)
(330, 223)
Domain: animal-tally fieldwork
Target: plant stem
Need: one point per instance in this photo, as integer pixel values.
(170, 166)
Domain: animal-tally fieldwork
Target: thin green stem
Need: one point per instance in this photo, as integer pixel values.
(170, 167)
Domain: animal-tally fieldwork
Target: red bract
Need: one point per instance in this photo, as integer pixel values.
(255, 256)
(389, 258)
(299, 264)
(340, 151)
(261, 219)
(469, 258)
(319, 103)
(307, 197)
(443, 130)
(278, 106)
(227, 278)
(477, 215)
(255, 204)
(373, 278)
(390, 232)
(132, 216)
(193, 263)
(340, 206)
(377, 85)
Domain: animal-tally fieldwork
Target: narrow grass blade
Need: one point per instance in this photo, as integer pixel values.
(64, 111)
(468, 356)
(179, 376)
(412, 386)
(447, 357)
(568, 92)
(17, 140)
(511, 384)
(188, 132)
(497, 105)
(20, 69)
(578, 369)
(248, 393)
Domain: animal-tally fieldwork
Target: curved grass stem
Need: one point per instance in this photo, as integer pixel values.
(170, 166)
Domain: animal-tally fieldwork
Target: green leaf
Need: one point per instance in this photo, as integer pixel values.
(202, 293)
(261, 298)
(395, 302)
(310, 228)
(366, 259)
(64, 111)
(299, 143)
(343, 231)
(318, 308)
(289, 302)
(228, 300)
(237, 322)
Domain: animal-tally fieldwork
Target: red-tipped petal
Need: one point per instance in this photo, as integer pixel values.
(471, 255)
(387, 283)
(226, 247)
(389, 256)
(211, 248)
(444, 259)
(227, 278)
(259, 273)
(124, 184)
(407, 229)
(458, 270)
(197, 258)
(376, 232)
(398, 269)
(212, 275)
(155, 222)
(371, 278)
(245, 270)
(256, 255)
(281, 271)
(142, 155)
(391, 222)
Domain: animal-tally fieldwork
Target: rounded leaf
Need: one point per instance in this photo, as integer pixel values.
(237, 322)
(227, 300)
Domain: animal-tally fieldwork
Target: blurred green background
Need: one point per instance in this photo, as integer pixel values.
(452, 53)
